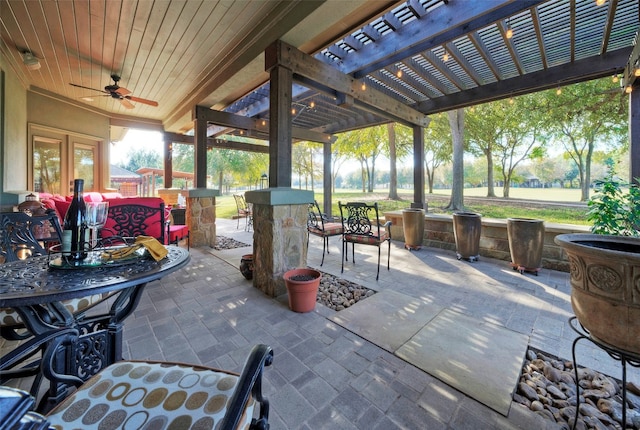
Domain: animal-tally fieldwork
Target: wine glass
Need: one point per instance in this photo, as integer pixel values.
(96, 218)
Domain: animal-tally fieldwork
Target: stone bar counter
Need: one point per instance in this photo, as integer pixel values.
(280, 235)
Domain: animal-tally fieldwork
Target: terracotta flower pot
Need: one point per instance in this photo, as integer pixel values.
(302, 288)
(605, 274)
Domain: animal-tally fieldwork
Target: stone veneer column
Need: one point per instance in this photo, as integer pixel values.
(279, 235)
(201, 216)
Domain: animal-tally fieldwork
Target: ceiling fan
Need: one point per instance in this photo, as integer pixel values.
(120, 93)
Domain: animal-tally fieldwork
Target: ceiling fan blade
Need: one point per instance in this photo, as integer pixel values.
(122, 91)
(87, 88)
(139, 100)
(126, 103)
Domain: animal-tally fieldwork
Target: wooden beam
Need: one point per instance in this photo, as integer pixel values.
(284, 55)
(443, 24)
(259, 126)
(598, 67)
(213, 142)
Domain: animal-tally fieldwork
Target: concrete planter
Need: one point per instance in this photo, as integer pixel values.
(413, 228)
(526, 239)
(605, 273)
(466, 229)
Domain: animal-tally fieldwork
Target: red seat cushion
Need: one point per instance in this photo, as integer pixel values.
(330, 229)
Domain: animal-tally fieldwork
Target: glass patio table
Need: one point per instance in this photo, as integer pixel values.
(35, 288)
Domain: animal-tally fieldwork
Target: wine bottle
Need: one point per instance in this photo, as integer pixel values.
(74, 226)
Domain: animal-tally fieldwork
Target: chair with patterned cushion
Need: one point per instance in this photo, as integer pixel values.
(319, 224)
(361, 225)
(165, 395)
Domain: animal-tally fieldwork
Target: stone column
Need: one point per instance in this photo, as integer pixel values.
(200, 216)
(279, 235)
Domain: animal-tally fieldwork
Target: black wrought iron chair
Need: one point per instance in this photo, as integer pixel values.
(319, 224)
(361, 225)
(24, 236)
(244, 211)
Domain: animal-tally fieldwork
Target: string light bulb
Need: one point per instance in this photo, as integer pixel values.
(558, 91)
(293, 111)
(600, 2)
(510, 100)
(636, 72)
(615, 79)
(628, 89)
(445, 57)
(364, 86)
(509, 33)
(264, 123)
(399, 73)
(312, 105)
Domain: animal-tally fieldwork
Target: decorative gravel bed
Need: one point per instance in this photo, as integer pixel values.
(338, 294)
(227, 243)
(547, 387)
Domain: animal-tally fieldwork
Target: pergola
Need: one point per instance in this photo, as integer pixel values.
(425, 57)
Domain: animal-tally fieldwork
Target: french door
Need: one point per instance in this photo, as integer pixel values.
(57, 159)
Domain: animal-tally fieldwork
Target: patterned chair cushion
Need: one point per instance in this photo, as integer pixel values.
(150, 395)
(366, 239)
(330, 229)
(9, 317)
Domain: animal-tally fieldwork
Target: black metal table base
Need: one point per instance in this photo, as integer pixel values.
(625, 357)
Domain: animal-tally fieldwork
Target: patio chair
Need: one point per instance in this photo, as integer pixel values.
(244, 211)
(361, 225)
(319, 224)
(176, 227)
(166, 395)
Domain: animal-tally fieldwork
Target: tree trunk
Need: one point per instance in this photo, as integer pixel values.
(456, 121)
(393, 171)
(490, 188)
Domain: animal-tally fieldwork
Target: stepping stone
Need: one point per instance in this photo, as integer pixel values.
(480, 359)
(387, 319)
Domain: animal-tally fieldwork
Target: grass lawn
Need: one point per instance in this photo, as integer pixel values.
(573, 213)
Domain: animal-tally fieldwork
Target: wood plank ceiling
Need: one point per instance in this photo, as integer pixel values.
(433, 55)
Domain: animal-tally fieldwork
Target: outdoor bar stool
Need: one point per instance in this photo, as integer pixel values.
(319, 224)
(166, 395)
(361, 225)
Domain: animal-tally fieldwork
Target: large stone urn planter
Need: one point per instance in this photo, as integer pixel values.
(467, 227)
(605, 286)
(413, 228)
(526, 241)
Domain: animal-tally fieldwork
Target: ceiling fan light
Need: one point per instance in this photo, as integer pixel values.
(30, 61)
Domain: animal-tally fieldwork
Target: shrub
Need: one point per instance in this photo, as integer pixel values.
(614, 208)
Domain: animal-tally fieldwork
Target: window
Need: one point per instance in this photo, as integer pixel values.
(57, 158)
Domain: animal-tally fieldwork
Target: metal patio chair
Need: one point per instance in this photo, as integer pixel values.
(361, 225)
(319, 224)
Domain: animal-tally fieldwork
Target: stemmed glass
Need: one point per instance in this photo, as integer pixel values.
(96, 218)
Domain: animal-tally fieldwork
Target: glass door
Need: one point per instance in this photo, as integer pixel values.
(47, 171)
(85, 164)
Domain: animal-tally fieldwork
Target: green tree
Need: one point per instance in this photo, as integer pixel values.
(437, 146)
(520, 121)
(583, 115)
(400, 145)
(484, 130)
(365, 145)
(138, 158)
